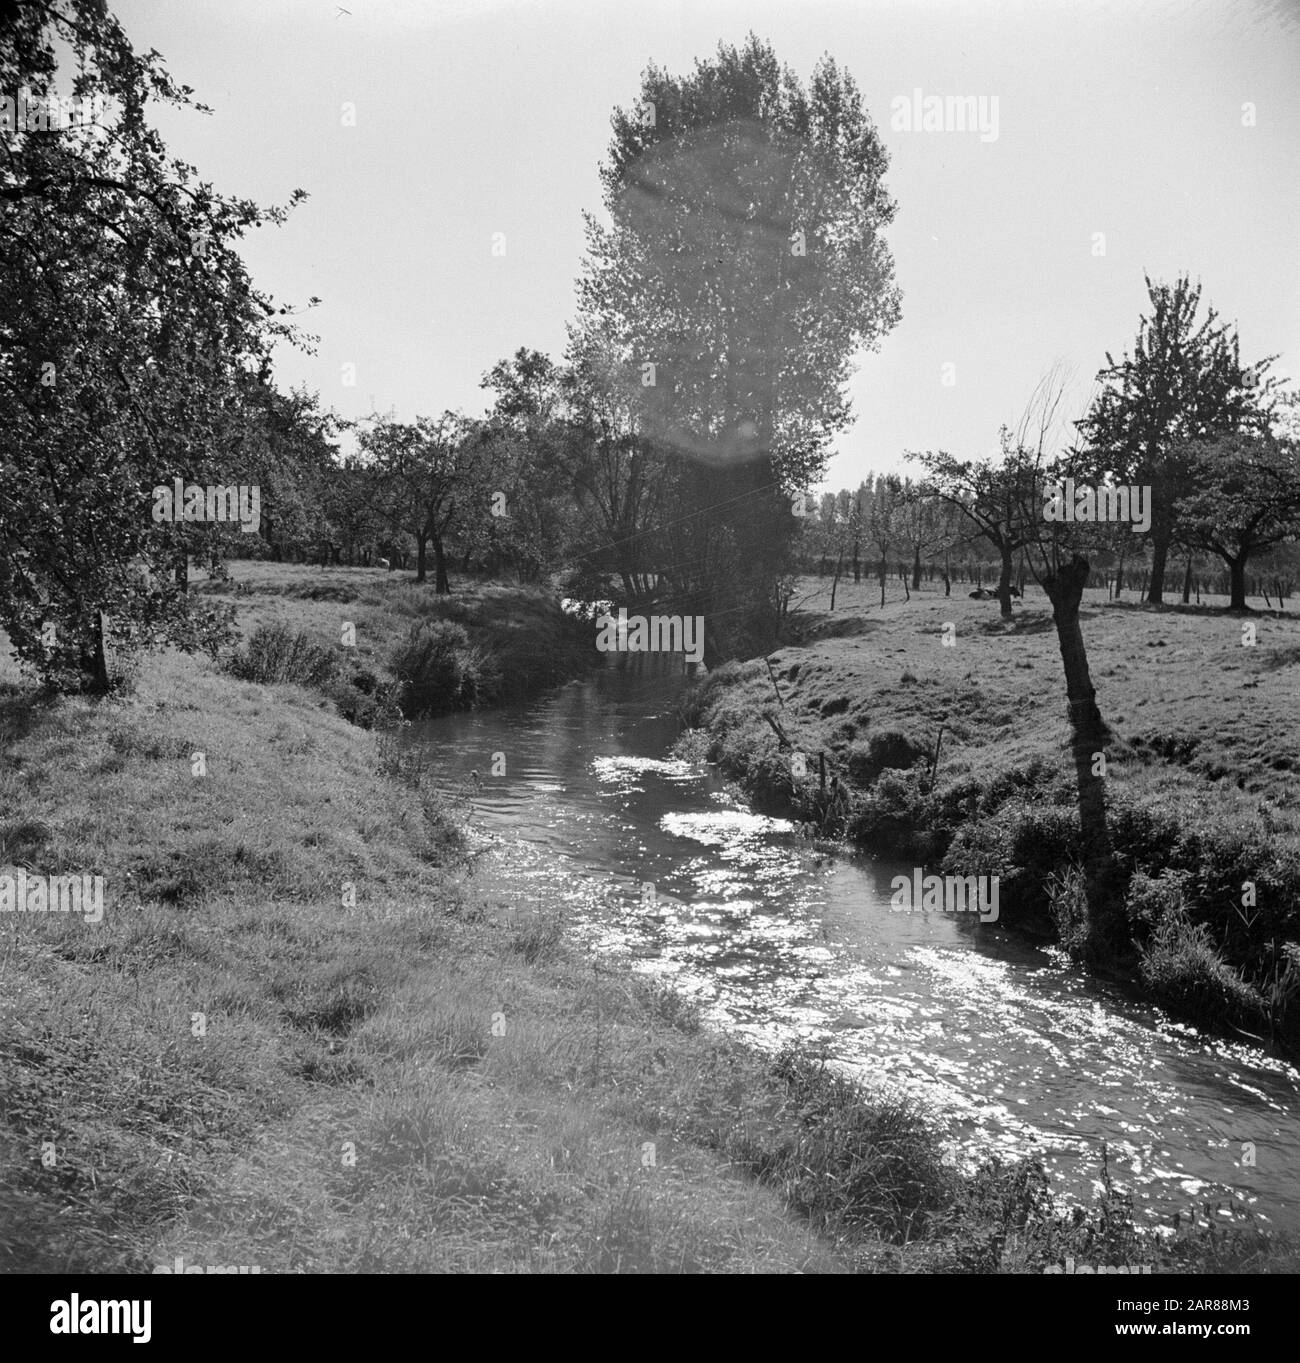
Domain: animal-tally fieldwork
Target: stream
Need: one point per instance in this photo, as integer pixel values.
(779, 938)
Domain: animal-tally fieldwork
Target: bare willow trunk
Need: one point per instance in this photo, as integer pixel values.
(1088, 735)
(1004, 584)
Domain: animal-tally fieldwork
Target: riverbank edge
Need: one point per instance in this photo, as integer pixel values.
(978, 828)
(376, 643)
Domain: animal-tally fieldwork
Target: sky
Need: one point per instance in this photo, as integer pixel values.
(1160, 136)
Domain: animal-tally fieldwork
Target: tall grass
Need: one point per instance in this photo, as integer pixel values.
(277, 653)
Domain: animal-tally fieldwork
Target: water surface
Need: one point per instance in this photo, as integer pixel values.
(777, 938)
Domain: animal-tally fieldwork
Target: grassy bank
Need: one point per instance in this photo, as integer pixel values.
(299, 1040)
(1201, 773)
(406, 645)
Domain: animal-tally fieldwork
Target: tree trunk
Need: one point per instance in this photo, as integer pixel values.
(1159, 555)
(1004, 584)
(884, 575)
(1237, 584)
(1088, 735)
(1187, 581)
(421, 540)
(835, 581)
(441, 585)
(916, 568)
(94, 661)
(264, 529)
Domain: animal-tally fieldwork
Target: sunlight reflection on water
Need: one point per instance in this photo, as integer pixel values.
(778, 939)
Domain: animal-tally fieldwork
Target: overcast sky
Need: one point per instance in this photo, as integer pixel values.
(476, 117)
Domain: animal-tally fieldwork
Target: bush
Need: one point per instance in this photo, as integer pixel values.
(710, 689)
(1213, 861)
(439, 669)
(1182, 968)
(899, 816)
(277, 654)
(1038, 779)
(889, 750)
(1026, 846)
(366, 708)
(1152, 899)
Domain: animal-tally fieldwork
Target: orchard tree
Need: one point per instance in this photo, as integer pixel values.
(884, 521)
(288, 446)
(1183, 383)
(432, 484)
(1246, 501)
(128, 330)
(1057, 553)
(992, 496)
(926, 524)
(543, 446)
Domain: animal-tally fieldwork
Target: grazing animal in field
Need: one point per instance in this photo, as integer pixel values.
(984, 594)
(383, 563)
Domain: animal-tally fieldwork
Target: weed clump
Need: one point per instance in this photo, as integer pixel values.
(276, 654)
(439, 669)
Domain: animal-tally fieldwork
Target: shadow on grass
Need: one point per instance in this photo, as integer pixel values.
(1206, 610)
(21, 709)
(1017, 625)
(808, 629)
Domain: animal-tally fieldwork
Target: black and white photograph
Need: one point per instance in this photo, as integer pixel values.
(649, 637)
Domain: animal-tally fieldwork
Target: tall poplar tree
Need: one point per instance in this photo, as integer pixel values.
(742, 268)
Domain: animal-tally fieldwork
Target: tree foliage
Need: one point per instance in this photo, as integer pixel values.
(129, 336)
